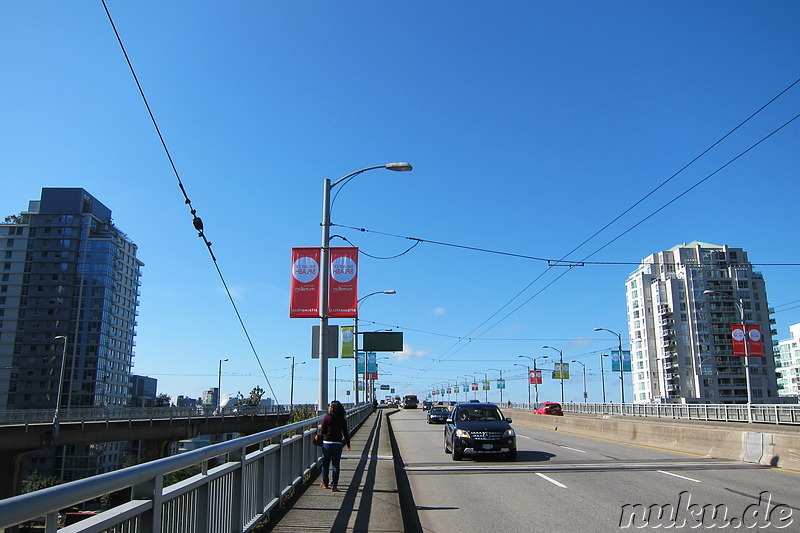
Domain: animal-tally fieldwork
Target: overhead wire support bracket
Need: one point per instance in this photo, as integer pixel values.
(570, 264)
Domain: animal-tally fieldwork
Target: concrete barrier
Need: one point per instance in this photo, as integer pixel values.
(753, 443)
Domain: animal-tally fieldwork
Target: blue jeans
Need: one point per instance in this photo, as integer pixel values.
(331, 456)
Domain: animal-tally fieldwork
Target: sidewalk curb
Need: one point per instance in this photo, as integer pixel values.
(408, 508)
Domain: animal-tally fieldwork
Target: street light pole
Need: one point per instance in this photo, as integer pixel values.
(585, 395)
(219, 386)
(355, 341)
(527, 378)
(466, 387)
(483, 386)
(291, 383)
(561, 369)
(740, 304)
(621, 364)
(498, 383)
(324, 272)
(57, 413)
(336, 382)
(602, 376)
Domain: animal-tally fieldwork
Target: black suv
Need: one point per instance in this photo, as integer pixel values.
(438, 413)
(477, 429)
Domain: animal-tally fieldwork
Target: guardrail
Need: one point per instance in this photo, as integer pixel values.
(759, 413)
(239, 483)
(41, 416)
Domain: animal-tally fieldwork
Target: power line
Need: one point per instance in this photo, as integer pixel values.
(704, 152)
(551, 262)
(196, 220)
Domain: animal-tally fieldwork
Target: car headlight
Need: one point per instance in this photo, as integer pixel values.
(462, 434)
(508, 433)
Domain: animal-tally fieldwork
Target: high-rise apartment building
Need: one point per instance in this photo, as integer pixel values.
(69, 289)
(681, 305)
(787, 360)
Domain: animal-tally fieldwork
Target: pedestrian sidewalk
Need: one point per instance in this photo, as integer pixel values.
(368, 500)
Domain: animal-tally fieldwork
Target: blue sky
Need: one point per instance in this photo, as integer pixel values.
(530, 126)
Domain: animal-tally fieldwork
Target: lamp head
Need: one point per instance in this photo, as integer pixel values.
(390, 291)
(598, 329)
(399, 167)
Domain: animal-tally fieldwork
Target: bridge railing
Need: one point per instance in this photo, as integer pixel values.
(761, 413)
(39, 416)
(239, 483)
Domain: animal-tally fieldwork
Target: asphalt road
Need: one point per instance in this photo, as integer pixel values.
(565, 483)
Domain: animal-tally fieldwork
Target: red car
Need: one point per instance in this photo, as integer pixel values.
(549, 408)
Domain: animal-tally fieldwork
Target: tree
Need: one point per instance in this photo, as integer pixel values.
(36, 481)
(163, 400)
(255, 396)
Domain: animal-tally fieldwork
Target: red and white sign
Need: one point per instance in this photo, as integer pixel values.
(304, 299)
(737, 338)
(756, 343)
(535, 377)
(343, 293)
(751, 335)
(474, 386)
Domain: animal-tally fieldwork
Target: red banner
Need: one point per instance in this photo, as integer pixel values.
(756, 343)
(535, 377)
(474, 386)
(304, 299)
(343, 293)
(737, 338)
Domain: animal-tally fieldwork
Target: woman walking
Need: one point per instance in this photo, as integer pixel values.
(334, 437)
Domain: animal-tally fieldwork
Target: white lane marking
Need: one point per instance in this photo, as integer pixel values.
(551, 480)
(682, 477)
(523, 436)
(573, 449)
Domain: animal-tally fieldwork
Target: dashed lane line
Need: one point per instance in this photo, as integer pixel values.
(676, 475)
(573, 449)
(551, 480)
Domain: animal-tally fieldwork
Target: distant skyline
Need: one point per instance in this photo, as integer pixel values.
(531, 127)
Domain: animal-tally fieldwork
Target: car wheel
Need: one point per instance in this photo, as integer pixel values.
(512, 455)
(456, 455)
(446, 449)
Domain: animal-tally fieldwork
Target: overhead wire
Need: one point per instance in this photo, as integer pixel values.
(197, 222)
(551, 262)
(704, 152)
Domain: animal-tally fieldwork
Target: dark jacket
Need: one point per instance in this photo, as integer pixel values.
(334, 429)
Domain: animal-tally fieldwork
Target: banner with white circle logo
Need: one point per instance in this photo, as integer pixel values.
(343, 294)
(304, 299)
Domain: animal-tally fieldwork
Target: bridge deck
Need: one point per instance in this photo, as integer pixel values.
(368, 499)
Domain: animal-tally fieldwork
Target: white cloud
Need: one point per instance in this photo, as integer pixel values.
(407, 353)
(439, 311)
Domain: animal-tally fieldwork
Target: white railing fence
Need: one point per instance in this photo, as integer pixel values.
(239, 483)
(788, 414)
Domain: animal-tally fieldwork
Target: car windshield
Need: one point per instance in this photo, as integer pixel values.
(553, 406)
(473, 414)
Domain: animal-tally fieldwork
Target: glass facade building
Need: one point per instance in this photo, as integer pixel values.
(68, 304)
